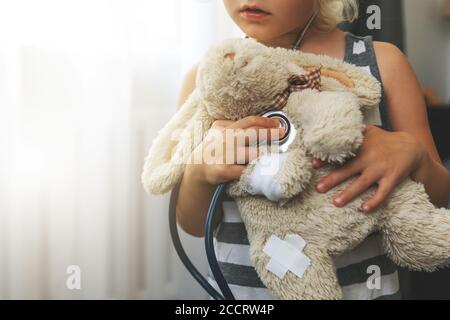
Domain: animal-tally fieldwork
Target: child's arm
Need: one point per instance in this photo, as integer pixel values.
(407, 111)
(386, 158)
(194, 194)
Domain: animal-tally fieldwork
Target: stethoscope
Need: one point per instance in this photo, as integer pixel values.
(225, 294)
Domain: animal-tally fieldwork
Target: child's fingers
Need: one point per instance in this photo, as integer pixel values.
(356, 188)
(317, 163)
(254, 135)
(385, 187)
(339, 175)
(222, 123)
(246, 155)
(255, 121)
(240, 155)
(364, 128)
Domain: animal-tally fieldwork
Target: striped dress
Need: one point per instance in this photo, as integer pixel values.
(354, 268)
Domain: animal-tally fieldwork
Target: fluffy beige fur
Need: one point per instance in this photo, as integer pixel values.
(241, 77)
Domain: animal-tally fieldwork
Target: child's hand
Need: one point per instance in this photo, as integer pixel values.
(231, 154)
(385, 158)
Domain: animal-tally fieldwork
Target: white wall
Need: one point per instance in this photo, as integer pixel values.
(428, 43)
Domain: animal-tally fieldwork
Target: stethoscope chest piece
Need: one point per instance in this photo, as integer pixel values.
(286, 123)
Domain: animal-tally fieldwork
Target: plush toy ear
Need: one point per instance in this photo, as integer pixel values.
(366, 87)
(338, 75)
(172, 148)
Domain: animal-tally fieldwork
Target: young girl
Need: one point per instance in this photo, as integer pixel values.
(398, 144)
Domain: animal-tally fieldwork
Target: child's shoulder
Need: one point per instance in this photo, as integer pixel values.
(401, 85)
(392, 62)
(387, 50)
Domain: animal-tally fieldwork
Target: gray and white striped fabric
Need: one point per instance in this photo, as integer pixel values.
(354, 267)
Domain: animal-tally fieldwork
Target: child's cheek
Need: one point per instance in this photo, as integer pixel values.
(292, 12)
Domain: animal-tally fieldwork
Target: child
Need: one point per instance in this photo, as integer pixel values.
(398, 143)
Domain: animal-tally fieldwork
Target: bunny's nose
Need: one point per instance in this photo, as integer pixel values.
(230, 56)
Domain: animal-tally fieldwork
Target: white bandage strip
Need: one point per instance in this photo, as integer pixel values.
(286, 255)
(263, 180)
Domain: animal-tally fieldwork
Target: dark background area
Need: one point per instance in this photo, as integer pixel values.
(415, 285)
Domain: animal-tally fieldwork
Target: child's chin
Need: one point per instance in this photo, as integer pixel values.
(260, 32)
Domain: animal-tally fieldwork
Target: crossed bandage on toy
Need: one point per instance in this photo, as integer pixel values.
(286, 255)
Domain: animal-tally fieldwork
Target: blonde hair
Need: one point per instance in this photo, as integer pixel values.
(332, 12)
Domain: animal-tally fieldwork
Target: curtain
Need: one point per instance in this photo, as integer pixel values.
(84, 88)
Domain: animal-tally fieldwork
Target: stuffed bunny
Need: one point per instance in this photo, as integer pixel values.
(293, 230)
